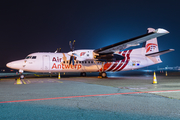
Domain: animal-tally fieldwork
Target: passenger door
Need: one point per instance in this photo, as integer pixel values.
(46, 63)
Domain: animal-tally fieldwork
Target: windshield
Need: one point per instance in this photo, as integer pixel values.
(30, 57)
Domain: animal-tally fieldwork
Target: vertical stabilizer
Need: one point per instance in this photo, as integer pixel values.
(151, 46)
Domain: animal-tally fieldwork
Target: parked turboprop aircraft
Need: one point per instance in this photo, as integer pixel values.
(109, 58)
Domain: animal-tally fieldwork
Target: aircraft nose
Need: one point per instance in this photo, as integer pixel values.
(8, 64)
(15, 64)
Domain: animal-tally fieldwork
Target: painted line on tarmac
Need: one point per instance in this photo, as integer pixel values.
(23, 81)
(163, 91)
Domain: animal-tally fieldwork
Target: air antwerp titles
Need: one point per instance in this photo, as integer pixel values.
(66, 66)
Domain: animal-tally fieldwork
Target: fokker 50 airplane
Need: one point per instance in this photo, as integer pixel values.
(109, 58)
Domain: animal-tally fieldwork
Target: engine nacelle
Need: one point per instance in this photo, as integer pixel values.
(82, 54)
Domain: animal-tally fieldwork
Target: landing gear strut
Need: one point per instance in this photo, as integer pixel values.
(83, 74)
(21, 74)
(103, 74)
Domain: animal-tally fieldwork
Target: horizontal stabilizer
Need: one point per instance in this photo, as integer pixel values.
(159, 53)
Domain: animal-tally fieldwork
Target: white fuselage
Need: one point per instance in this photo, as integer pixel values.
(59, 62)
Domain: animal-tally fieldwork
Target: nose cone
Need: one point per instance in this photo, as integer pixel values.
(15, 64)
(9, 65)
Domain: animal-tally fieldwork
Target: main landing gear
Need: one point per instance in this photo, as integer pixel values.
(83, 74)
(103, 74)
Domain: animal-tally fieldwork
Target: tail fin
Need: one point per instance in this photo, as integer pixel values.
(152, 50)
(151, 46)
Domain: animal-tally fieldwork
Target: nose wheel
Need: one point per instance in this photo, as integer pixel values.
(21, 76)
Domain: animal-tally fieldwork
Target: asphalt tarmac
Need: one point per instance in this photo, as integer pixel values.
(87, 98)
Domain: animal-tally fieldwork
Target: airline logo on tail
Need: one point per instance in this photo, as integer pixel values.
(150, 47)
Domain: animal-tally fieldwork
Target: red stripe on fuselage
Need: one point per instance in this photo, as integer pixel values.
(107, 65)
(121, 61)
(114, 64)
(127, 60)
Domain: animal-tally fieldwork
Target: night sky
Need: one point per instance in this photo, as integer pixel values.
(43, 26)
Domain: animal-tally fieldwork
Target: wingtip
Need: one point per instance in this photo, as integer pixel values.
(160, 30)
(172, 49)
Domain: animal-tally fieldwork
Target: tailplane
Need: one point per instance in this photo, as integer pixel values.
(159, 53)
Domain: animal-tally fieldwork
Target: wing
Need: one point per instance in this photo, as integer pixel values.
(131, 42)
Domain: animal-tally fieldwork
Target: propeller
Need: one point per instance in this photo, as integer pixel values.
(71, 53)
(58, 50)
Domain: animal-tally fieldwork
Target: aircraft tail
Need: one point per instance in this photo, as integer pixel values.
(151, 46)
(152, 50)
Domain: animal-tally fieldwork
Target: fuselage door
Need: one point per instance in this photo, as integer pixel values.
(45, 62)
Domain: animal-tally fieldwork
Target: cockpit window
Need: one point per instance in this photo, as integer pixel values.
(33, 57)
(28, 57)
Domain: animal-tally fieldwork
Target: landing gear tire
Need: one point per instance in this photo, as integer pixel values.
(103, 74)
(21, 76)
(83, 74)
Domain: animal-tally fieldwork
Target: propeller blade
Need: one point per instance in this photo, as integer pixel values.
(70, 53)
(73, 60)
(70, 60)
(73, 45)
(70, 45)
(59, 50)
